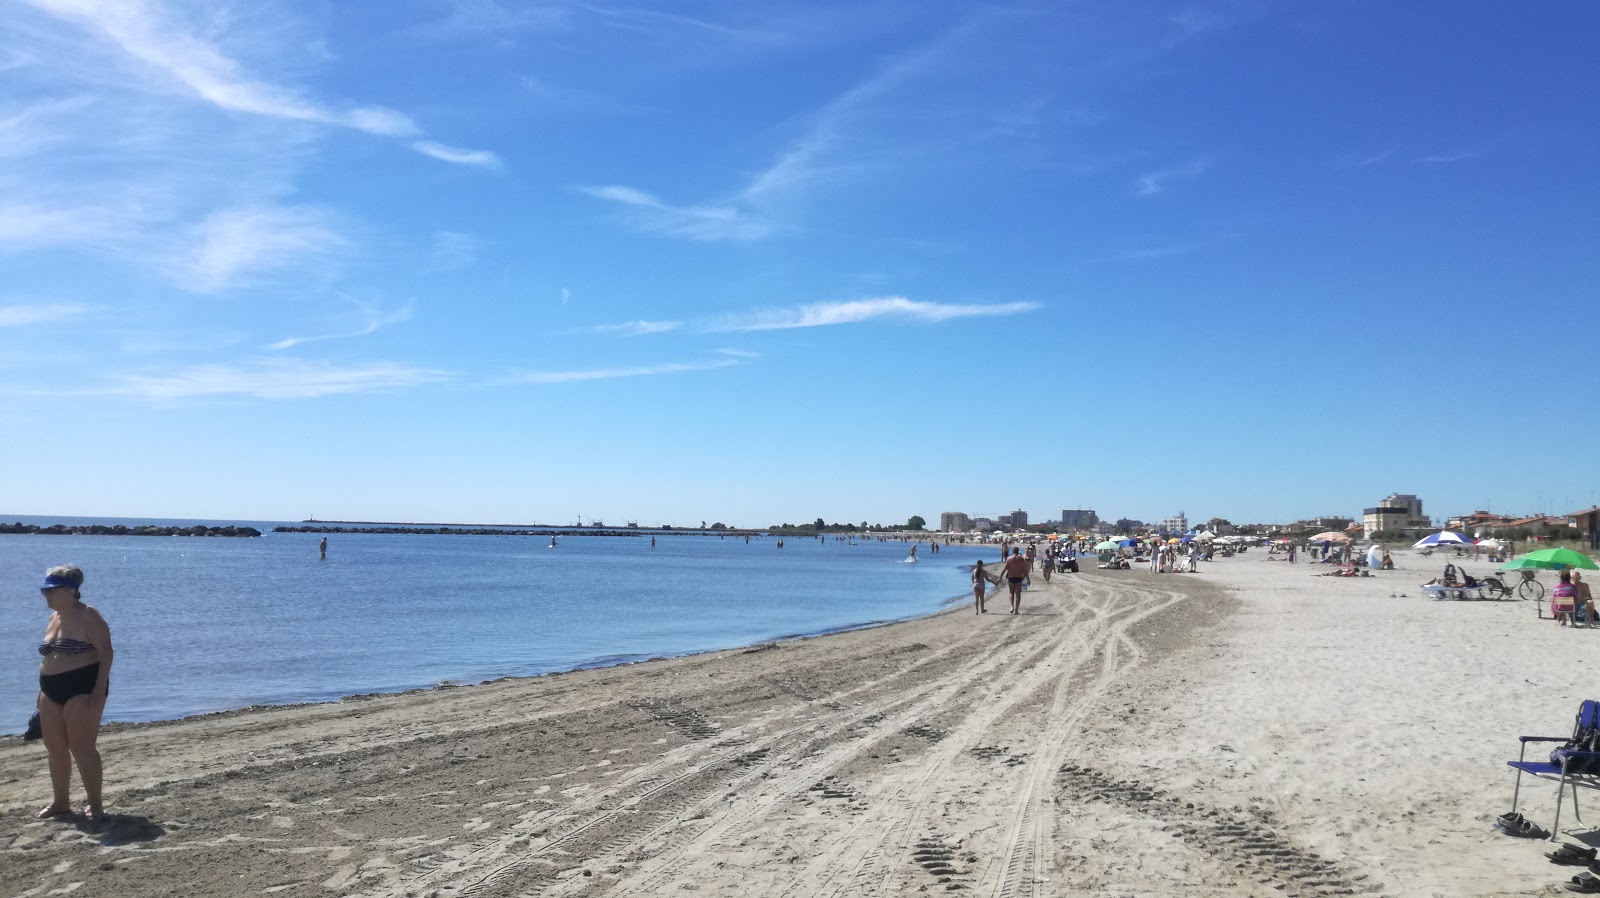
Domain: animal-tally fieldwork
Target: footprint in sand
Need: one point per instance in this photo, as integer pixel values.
(283, 822)
(476, 825)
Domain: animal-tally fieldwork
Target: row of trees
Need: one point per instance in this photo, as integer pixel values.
(915, 522)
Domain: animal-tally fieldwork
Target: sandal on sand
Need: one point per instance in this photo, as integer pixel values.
(1510, 818)
(50, 812)
(1584, 883)
(1525, 829)
(1571, 855)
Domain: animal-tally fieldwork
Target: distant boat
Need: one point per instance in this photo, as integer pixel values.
(633, 525)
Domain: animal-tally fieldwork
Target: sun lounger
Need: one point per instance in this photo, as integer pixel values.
(1568, 766)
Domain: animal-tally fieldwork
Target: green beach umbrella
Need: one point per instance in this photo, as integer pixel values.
(1106, 546)
(1553, 559)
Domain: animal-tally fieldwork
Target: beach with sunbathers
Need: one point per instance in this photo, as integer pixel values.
(1249, 730)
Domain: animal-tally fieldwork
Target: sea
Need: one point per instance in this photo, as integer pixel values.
(204, 624)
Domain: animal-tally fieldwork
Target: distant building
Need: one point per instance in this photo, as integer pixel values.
(1016, 520)
(1397, 511)
(1127, 525)
(1078, 519)
(1178, 523)
(1587, 522)
(954, 522)
(982, 523)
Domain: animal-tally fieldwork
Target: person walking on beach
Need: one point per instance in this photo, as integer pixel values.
(980, 582)
(74, 678)
(1015, 570)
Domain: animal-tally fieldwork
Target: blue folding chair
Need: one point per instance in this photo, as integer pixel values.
(1570, 766)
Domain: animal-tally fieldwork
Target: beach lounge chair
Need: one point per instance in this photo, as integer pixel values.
(1571, 765)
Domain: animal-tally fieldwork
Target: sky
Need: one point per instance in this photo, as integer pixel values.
(760, 262)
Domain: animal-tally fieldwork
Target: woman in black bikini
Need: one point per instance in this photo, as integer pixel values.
(74, 676)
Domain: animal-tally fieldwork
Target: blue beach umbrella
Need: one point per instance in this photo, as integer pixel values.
(1128, 543)
(1442, 538)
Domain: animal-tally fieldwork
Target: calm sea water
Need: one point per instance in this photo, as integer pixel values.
(209, 624)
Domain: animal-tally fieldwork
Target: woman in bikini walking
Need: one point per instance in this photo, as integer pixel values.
(74, 676)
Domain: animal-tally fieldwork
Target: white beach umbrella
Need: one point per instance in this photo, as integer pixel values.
(1442, 538)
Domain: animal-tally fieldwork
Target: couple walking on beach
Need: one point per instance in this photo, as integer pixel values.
(1015, 571)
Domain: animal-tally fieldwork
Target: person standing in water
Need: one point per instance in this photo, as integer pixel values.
(322, 548)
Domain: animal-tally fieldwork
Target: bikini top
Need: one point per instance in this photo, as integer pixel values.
(66, 647)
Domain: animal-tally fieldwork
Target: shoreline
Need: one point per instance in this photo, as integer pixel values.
(1252, 730)
(228, 794)
(608, 662)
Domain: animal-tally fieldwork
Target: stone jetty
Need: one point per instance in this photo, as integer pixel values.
(124, 530)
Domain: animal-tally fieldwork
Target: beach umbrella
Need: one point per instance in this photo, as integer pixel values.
(1106, 546)
(1553, 559)
(1330, 536)
(1186, 539)
(1442, 538)
(1128, 543)
(1491, 543)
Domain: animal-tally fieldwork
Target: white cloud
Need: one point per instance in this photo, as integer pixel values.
(372, 319)
(1446, 158)
(233, 244)
(38, 126)
(273, 379)
(823, 314)
(481, 158)
(562, 377)
(23, 314)
(452, 250)
(705, 223)
(629, 328)
(178, 60)
(1155, 183)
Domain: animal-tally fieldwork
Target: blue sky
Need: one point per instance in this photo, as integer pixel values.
(485, 260)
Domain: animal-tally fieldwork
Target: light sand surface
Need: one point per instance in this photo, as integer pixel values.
(1249, 730)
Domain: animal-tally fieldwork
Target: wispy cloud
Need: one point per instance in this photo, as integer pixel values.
(480, 158)
(232, 245)
(24, 314)
(1447, 158)
(273, 378)
(728, 359)
(1364, 159)
(628, 328)
(816, 156)
(452, 250)
(706, 223)
(177, 59)
(1155, 183)
(824, 314)
(373, 319)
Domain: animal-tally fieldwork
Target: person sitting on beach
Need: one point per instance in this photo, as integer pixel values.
(1388, 563)
(1563, 599)
(1581, 598)
(1016, 570)
(1341, 572)
(980, 582)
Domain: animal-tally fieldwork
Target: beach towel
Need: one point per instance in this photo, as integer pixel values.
(1585, 738)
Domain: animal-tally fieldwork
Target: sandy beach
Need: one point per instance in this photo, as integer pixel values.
(1249, 730)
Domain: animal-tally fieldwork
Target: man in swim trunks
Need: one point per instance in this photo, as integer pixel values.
(1015, 571)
